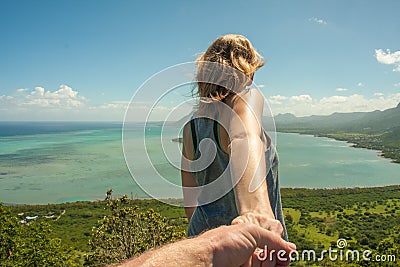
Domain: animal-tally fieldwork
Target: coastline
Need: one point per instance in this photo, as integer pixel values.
(178, 201)
(376, 145)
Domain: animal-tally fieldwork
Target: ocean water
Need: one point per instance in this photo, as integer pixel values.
(319, 162)
(61, 162)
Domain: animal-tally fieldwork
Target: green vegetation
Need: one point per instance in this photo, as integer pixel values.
(128, 231)
(388, 143)
(368, 218)
(30, 243)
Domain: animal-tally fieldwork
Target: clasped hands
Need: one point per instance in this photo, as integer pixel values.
(277, 255)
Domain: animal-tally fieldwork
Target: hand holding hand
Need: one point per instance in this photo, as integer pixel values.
(266, 222)
(235, 245)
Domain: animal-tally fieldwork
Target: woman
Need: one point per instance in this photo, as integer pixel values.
(243, 159)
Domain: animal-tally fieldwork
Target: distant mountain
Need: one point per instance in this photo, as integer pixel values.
(286, 118)
(361, 122)
(179, 123)
(366, 122)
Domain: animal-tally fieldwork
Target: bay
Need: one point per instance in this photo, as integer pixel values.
(65, 162)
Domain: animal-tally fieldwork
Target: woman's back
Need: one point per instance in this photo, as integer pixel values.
(227, 175)
(223, 210)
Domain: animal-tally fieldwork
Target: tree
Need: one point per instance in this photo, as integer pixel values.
(31, 244)
(109, 194)
(128, 231)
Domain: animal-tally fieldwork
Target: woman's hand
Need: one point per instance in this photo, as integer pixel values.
(266, 222)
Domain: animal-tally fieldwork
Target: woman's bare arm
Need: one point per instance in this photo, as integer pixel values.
(247, 153)
(188, 179)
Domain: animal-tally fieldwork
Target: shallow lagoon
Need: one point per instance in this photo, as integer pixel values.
(82, 163)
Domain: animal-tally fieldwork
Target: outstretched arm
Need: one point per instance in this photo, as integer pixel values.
(230, 246)
(248, 167)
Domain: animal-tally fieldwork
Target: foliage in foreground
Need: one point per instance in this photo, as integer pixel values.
(30, 244)
(368, 218)
(128, 231)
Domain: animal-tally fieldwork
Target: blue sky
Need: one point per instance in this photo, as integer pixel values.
(83, 60)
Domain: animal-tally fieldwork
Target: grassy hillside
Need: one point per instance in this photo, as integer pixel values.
(366, 217)
(375, 122)
(77, 219)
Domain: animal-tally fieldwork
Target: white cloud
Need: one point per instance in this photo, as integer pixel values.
(39, 104)
(301, 98)
(66, 103)
(330, 104)
(317, 20)
(334, 100)
(64, 98)
(388, 58)
(261, 85)
(396, 85)
(6, 97)
(276, 99)
(341, 89)
(360, 84)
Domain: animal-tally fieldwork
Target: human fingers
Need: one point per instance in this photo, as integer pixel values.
(238, 220)
(261, 258)
(231, 245)
(259, 219)
(275, 226)
(269, 223)
(271, 241)
(248, 263)
(268, 263)
(262, 220)
(255, 262)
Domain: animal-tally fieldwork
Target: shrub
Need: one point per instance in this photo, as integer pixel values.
(31, 244)
(128, 231)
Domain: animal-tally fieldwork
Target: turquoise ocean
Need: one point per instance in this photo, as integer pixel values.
(54, 162)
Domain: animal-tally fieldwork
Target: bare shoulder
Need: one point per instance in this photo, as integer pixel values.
(252, 95)
(248, 99)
